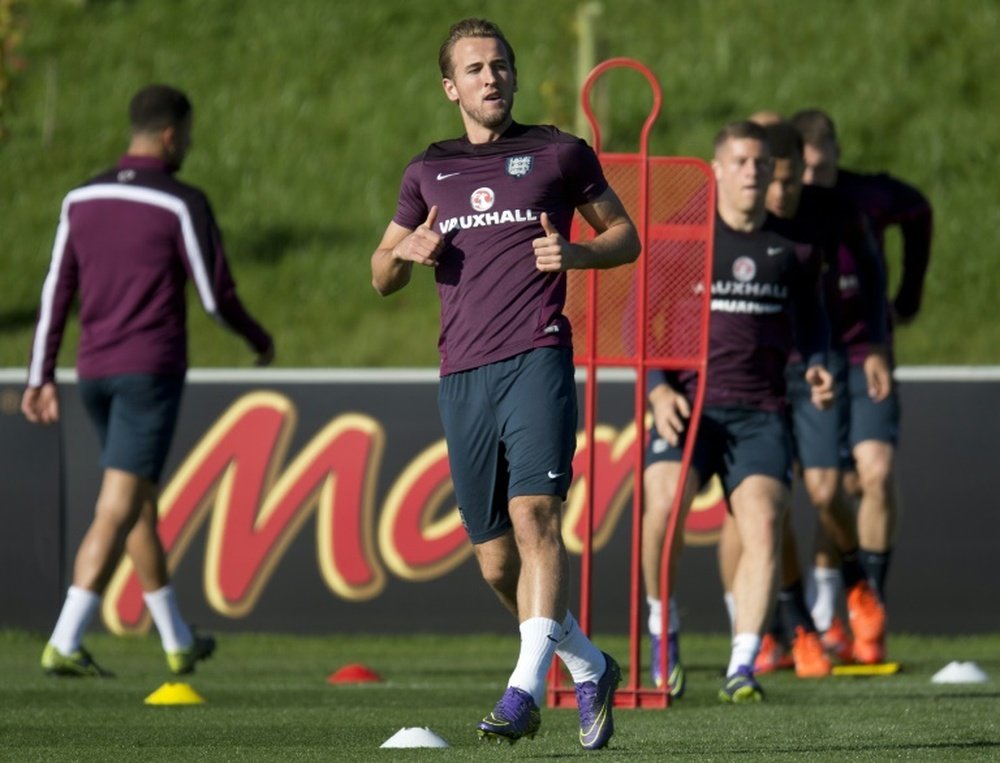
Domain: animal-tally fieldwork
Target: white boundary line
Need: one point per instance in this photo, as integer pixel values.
(948, 373)
(430, 375)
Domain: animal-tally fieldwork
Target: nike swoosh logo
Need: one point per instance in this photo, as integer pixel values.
(553, 475)
(596, 727)
(773, 250)
(443, 175)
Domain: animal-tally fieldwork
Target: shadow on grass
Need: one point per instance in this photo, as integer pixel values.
(270, 244)
(972, 744)
(968, 695)
(17, 318)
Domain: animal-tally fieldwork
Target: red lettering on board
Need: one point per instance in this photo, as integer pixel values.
(420, 531)
(233, 474)
(235, 480)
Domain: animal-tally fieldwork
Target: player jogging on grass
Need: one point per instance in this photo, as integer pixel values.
(819, 216)
(873, 430)
(765, 299)
(127, 242)
(489, 212)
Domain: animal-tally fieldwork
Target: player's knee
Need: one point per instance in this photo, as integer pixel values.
(536, 523)
(658, 503)
(117, 515)
(875, 473)
(760, 529)
(660, 483)
(823, 495)
(500, 576)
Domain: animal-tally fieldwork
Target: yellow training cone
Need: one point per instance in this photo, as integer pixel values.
(175, 694)
(877, 669)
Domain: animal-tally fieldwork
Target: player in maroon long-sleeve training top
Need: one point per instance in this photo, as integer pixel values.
(127, 243)
(874, 424)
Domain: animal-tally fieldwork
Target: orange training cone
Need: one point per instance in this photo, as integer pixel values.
(355, 673)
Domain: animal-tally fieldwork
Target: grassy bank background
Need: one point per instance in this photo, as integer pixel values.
(307, 111)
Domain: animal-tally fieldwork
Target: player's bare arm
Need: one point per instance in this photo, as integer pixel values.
(616, 242)
(671, 410)
(40, 405)
(392, 262)
(878, 375)
(821, 385)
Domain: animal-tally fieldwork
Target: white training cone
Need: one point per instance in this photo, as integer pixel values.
(960, 673)
(414, 737)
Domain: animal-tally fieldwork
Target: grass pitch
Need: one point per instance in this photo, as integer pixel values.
(267, 699)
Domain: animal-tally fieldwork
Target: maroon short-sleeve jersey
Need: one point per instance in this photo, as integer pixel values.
(494, 303)
(766, 300)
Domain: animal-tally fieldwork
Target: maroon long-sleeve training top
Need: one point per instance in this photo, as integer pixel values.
(128, 240)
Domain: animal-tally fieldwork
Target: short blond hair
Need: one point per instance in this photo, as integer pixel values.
(744, 129)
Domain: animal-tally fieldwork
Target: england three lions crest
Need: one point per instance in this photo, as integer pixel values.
(519, 166)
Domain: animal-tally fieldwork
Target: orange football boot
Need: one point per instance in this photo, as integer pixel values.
(772, 656)
(837, 641)
(810, 658)
(867, 623)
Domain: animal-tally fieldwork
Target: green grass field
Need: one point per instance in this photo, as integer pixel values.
(307, 112)
(267, 699)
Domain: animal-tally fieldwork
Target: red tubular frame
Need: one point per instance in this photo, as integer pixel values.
(632, 694)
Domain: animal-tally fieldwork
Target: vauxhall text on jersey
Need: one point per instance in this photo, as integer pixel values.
(766, 299)
(494, 302)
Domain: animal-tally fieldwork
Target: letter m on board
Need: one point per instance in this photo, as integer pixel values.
(233, 478)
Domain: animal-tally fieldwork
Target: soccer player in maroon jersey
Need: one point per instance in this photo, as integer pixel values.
(765, 300)
(874, 423)
(127, 242)
(820, 216)
(489, 213)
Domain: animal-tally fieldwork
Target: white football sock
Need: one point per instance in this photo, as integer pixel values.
(175, 633)
(827, 583)
(583, 660)
(745, 648)
(655, 611)
(78, 610)
(539, 637)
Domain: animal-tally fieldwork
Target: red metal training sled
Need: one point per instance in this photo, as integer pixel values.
(652, 314)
